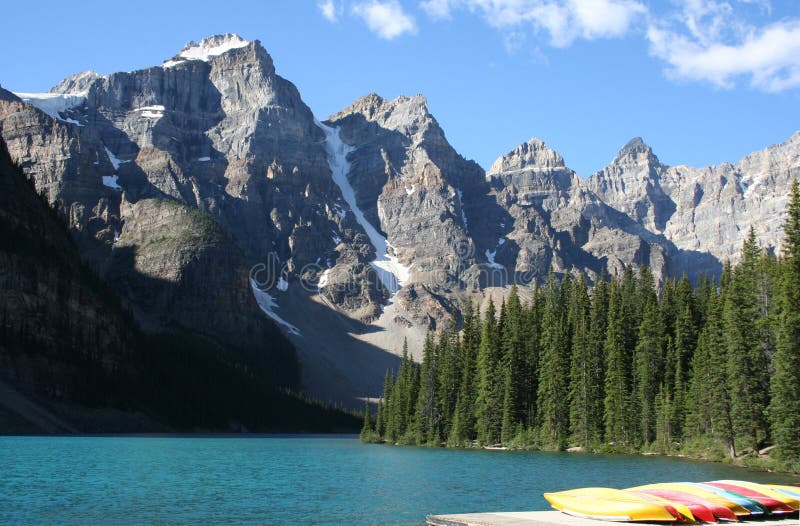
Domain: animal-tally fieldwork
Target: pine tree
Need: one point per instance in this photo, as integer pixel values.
(427, 419)
(532, 329)
(678, 363)
(648, 369)
(488, 403)
(784, 408)
(632, 309)
(677, 403)
(709, 399)
(513, 368)
(663, 415)
(382, 419)
(400, 404)
(747, 364)
(581, 385)
(597, 361)
(367, 430)
(463, 427)
(617, 368)
(553, 390)
(449, 372)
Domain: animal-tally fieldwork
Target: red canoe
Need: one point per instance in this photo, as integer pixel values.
(773, 505)
(703, 509)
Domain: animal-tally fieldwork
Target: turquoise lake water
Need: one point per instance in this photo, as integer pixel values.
(297, 480)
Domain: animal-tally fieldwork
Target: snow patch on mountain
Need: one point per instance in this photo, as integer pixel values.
(111, 182)
(115, 161)
(268, 305)
(54, 104)
(153, 112)
(207, 48)
(391, 272)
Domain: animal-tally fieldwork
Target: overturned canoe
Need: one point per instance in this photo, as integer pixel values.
(713, 497)
(761, 492)
(702, 509)
(611, 505)
(792, 491)
(754, 507)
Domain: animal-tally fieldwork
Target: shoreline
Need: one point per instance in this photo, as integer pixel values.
(758, 464)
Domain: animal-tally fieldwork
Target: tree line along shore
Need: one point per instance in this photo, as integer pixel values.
(710, 370)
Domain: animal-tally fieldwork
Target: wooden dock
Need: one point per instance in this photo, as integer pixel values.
(549, 518)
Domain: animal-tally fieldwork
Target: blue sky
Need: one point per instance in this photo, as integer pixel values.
(702, 81)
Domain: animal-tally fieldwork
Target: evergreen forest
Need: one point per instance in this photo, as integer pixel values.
(710, 369)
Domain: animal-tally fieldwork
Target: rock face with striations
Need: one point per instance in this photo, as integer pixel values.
(214, 128)
(703, 210)
(430, 202)
(558, 222)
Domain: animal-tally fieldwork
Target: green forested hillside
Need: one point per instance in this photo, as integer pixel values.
(709, 370)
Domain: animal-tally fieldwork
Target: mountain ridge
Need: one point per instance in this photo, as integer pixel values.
(215, 128)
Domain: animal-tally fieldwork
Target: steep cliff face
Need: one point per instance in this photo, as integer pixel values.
(703, 209)
(431, 203)
(72, 359)
(558, 222)
(213, 128)
(50, 151)
(48, 300)
(63, 333)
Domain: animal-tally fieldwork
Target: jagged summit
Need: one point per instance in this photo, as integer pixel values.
(75, 84)
(372, 105)
(633, 147)
(208, 47)
(531, 155)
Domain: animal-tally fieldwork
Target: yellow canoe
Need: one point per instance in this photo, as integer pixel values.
(693, 490)
(765, 489)
(793, 491)
(609, 504)
(681, 509)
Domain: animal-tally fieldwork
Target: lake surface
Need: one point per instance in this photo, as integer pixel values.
(297, 480)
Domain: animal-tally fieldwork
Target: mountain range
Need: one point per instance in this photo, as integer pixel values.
(208, 196)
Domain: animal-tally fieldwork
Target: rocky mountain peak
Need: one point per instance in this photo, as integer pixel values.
(635, 145)
(533, 154)
(210, 47)
(405, 116)
(77, 83)
(397, 113)
(636, 151)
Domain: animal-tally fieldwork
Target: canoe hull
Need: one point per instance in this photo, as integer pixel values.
(791, 502)
(702, 509)
(609, 505)
(710, 496)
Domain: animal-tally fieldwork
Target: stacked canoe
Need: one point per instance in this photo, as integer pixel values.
(684, 502)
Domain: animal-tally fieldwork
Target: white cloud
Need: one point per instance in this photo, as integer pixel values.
(436, 9)
(386, 18)
(328, 10)
(715, 41)
(771, 57)
(564, 20)
(605, 18)
(712, 44)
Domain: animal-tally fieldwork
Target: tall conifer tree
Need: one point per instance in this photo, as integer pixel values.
(785, 405)
(488, 403)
